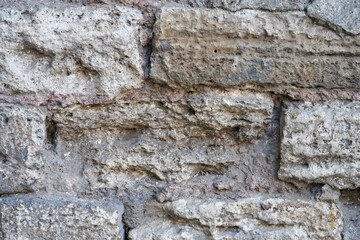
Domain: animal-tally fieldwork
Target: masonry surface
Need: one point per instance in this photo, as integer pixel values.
(180, 119)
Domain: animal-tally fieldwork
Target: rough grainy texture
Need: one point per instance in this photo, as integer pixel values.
(32, 218)
(218, 48)
(179, 119)
(171, 141)
(22, 138)
(337, 14)
(211, 110)
(281, 5)
(252, 218)
(69, 49)
(321, 143)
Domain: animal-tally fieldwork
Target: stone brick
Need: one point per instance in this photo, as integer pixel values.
(273, 5)
(32, 218)
(212, 110)
(320, 143)
(250, 218)
(66, 49)
(172, 141)
(337, 14)
(165, 230)
(251, 48)
(23, 136)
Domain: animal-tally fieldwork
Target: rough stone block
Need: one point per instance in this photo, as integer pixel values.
(337, 14)
(165, 230)
(273, 5)
(251, 218)
(170, 140)
(31, 218)
(23, 135)
(191, 116)
(249, 112)
(321, 142)
(69, 49)
(251, 48)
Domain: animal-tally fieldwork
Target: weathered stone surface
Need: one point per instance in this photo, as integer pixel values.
(321, 143)
(274, 5)
(165, 230)
(351, 213)
(250, 47)
(251, 218)
(31, 218)
(180, 121)
(192, 116)
(172, 141)
(247, 111)
(108, 155)
(68, 49)
(337, 14)
(23, 135)
(171, 161)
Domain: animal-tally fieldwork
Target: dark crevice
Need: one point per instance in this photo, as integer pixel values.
(32, 49)
(51, 133)
(350, 196)
(277, 119)
(147, 58)
(3, 158)
(126, 232)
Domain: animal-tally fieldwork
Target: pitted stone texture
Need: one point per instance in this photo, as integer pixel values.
(273, 5)
(192, 116)
(170, 140)
(31, 218)
(165, 230)
(68, 49)
(343, 14)
(321, 143)
(111, 154)
(250, 48)
(247, 111)
(251, 218)
(23, 135)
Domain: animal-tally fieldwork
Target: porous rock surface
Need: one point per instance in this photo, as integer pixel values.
(321, 143)
(69, 49)
(281, 5)
(252, 218)
(337, 14)
(166, 140)
(251, 47)
(32, 218)
(179, 119)
(23, 137)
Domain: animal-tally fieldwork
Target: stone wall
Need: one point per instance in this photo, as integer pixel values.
(188, 119)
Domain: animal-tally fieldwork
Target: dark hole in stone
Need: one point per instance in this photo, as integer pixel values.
(191, 111)
(51, 131)
(3, 158)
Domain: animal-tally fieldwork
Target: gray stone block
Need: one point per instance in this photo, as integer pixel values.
(251, 48)
(32, 218)
(343, 15)
(320, 143)
(272, 5)
(250, 218)
(69, 49)
(23, 136)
